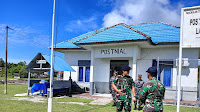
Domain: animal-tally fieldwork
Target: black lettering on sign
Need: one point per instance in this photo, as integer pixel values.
(108, 51)
(116, 51)
(121, 51)
(197, 30)
(113, 51)
(102, 52)
(194, 21)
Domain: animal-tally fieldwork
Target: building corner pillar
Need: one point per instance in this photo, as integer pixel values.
(92, 72)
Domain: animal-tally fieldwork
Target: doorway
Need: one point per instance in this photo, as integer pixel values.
(116, 65)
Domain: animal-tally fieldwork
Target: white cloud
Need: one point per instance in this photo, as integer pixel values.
(142, 11)
(82, 25)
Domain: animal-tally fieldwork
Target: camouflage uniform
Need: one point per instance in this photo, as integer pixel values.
(124, 83)
(152, 93)
(113, 92)
(138, 87)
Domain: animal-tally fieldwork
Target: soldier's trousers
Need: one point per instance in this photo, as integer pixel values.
(114, 97)
(125, 103)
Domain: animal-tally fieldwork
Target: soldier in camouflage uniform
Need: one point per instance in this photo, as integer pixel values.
(111, 90)
(152, 92)
(123, 85)
(138, 86)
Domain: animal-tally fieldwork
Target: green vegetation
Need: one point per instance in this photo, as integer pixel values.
(13, 68)
(8, 105)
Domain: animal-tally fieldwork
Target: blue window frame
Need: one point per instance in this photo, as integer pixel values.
(165, 67)
(87, 74)
(80, 74)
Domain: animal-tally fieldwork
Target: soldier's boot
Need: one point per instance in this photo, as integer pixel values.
(135, 103)
(114, 104)
(139, 106)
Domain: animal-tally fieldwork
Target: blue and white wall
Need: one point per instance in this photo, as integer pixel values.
(139, 59)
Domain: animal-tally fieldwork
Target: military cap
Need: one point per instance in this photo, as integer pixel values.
(152, 70)
(126, 68)
(139, 75)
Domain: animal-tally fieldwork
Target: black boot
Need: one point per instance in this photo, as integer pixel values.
(135, 103)
(114, 105)
(139, 107)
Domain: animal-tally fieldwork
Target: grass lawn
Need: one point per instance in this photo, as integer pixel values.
(3, 78)
(7, 105)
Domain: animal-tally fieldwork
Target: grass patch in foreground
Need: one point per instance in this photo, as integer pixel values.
(7, 105)
(12, 90)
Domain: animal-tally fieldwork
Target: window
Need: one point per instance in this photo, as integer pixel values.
(164, 71)
(87, 74)
(80, 74)
(84, 70)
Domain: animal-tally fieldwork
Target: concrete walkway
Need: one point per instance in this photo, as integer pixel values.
(184, 103)
(99, 99)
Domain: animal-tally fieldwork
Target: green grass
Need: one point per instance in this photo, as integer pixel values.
(7, 105)
(8, 78)
(12, 90)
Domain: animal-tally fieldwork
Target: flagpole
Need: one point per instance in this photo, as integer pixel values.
(51, 74)
(180, 64)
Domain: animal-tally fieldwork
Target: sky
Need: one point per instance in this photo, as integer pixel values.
(31, 20)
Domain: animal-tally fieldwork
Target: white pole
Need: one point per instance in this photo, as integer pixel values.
(199, 87)
(29, 75)
(158, 62)
(180, 64)
(176, 80)
(51, 74)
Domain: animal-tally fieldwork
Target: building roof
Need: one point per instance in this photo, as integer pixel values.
(59, 63)
(160, 32)
(119, 32)
(70, 43)
(155, 33)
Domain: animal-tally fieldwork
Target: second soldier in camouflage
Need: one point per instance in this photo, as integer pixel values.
(152, 92)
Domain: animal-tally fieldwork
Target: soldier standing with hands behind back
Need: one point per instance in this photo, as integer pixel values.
(152, 92)
(138, 85)
(111, 90)
(123, 85)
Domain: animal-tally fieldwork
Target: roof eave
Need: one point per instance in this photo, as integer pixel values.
(108, 42)
(168, 43)
(69, 49)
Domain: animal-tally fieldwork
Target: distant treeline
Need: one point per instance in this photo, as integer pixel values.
(13, 68)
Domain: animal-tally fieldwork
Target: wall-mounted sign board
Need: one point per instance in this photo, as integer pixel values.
(41, 61)
(190, 25)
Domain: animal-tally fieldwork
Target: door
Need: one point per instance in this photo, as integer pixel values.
(116, 65)
(167, 77)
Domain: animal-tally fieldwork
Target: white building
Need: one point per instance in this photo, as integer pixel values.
(95, 55)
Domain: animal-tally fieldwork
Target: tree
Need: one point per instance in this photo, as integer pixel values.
(2, 63)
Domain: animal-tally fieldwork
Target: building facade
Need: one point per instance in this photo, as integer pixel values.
(96, 55)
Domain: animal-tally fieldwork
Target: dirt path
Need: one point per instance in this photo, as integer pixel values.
(98, 100)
